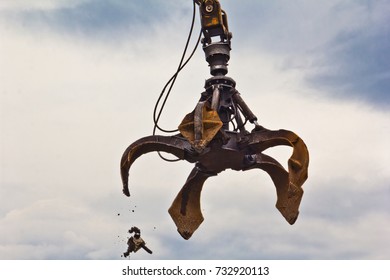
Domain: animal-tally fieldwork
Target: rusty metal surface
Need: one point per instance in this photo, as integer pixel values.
(173, 145)
(238, 153)
(200, 126)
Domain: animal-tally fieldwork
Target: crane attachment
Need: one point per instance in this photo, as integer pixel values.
(214, 136)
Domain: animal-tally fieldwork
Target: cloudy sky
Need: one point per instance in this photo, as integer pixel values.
(78, 83)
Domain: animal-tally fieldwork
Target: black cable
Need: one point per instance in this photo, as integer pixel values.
(172, 80)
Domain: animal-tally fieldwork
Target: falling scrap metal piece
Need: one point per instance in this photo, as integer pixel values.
(134, 243)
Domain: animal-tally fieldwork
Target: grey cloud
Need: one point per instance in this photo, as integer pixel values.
(356, 66)
(339, 200)
(340, 47)
(282, 27)
(103, 20)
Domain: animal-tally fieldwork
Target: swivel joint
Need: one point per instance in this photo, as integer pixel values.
(217, 55)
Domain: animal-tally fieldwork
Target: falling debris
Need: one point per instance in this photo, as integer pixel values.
(135, 243)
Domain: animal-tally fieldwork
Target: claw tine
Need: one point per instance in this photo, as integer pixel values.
(299, 160)
(288, 195)
(288, 184)
(170, 144)
(185, 209)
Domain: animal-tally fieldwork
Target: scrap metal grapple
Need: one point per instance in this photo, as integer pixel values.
(214, 136)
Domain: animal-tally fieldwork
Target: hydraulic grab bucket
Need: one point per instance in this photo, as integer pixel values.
(207, 140)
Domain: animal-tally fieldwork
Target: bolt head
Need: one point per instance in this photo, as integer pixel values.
(209, 8)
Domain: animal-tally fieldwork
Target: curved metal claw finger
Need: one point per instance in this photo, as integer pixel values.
(185, 209)
(171, 144)
(299, 160)
(286, 203)
(288, 184)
